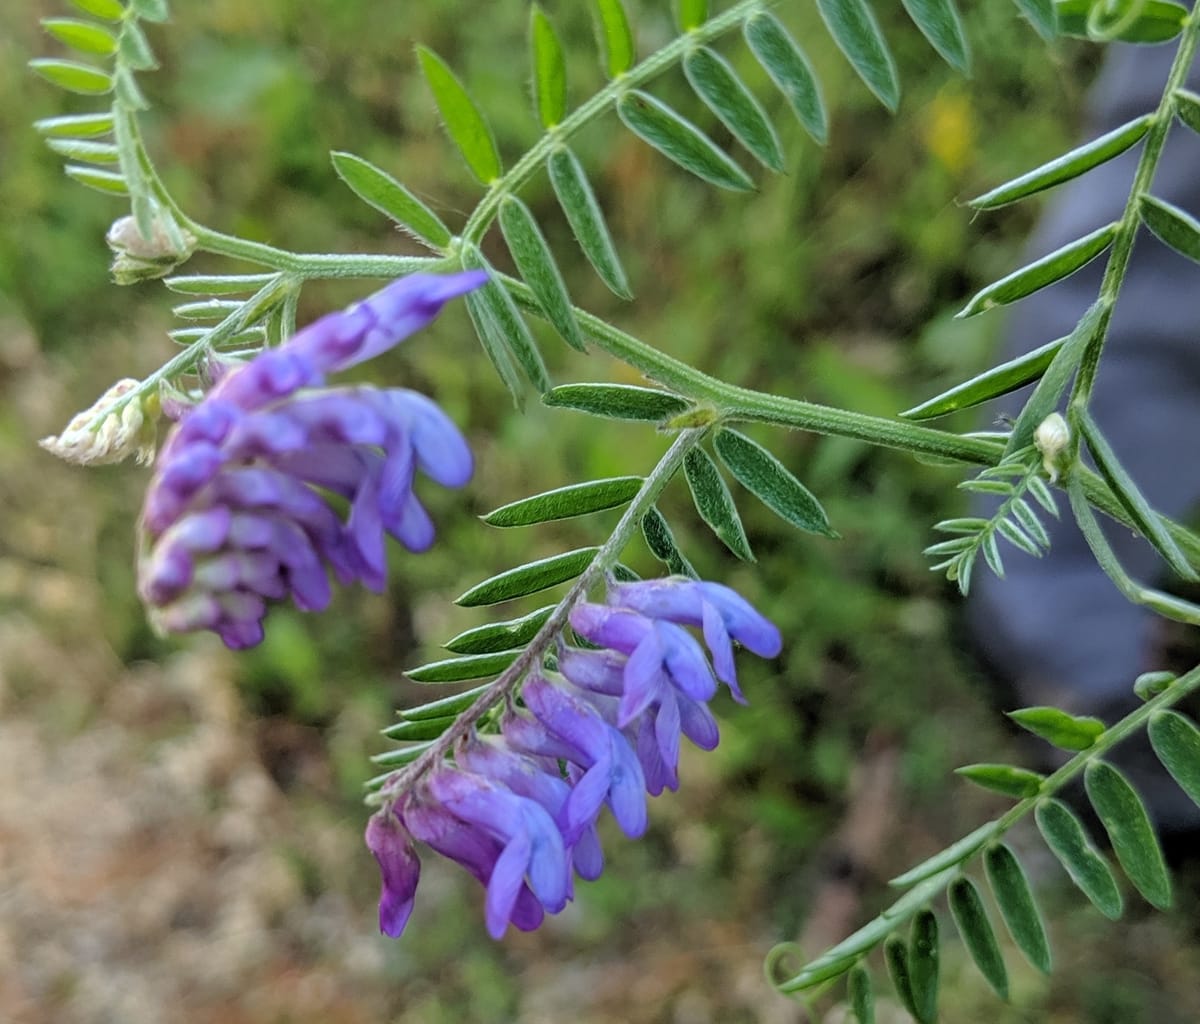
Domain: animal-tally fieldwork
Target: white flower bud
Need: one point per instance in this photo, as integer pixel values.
(143, 259)
(1052, 438)
(99, 435)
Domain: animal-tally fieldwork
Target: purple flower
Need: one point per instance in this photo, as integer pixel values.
(509, 841)
(567, 726)
(392, 847)
(236, 514)
(722, 614)
(475, 850)
(658, 721)
(540, 780)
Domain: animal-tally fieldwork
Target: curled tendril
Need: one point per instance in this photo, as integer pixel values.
(1106, 21)
(776, 964)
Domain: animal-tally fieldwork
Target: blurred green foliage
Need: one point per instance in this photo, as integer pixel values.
(833, 283)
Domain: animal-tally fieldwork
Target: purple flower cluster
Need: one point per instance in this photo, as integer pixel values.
(239, 513)
(518, 808)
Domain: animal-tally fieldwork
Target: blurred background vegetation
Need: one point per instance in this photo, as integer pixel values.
(181, 827)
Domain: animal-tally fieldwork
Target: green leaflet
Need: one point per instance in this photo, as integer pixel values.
(1068, 841)
(471, 666)
(1053, 267)
(1149, 685)
(895, 956)
(789, 69)
(617, 401)
(923, 965)
(500, 636)
(616, 38)
(939, 22)
(494, 345)
(1187, 106)
(1147, 521)
(443, 707)
(502, 321)
(680, 141)
(1176, 741)
(73, 76)
(534, 261)
(1173, 226)
(714, 502)
(1042, 15)
(549, 69)
(218, 284)
(208, 309)
(1011, 889)
(690, 14)
(84, 36)
(1018, 783)
(567, 502)
(1070, 165)
(86, 150)
(583, 213)
(718, 85)
(529, 578)
(464, 122)
(109, 10)
(101, 181)
(769, 480)
(135, 48)
(394, 759)
(377, 188)
(971, 919)
(71, 125)
(1065, 731)
(861, 995)
(999, 380)
(1157, 21)
(1054, 381)
(1124, 817)
(856, 32)
(661, 542)
(420, 729)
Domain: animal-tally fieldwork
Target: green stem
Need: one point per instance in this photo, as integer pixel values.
(734, 402)
(841, 957)
(1143, 180)
(530, 658)
(532, 160)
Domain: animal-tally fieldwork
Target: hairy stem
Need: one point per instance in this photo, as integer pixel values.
(530, 658)
(1143, 180)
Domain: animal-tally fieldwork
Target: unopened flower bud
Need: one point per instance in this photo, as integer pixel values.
(143, 259)
(1052, 438)
(103, 434)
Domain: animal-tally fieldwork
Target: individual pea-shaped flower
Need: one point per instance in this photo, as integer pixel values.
(508, 841)
(238, 512)
(655, 731)
(602, 766)
(392, 847)
(722, 614)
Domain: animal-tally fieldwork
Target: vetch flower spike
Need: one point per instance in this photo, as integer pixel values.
(236, 515)
(518, 808)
